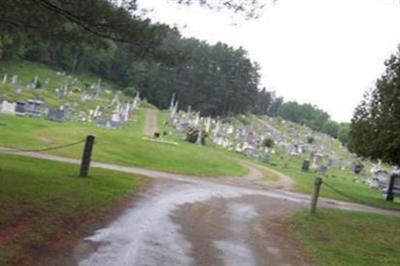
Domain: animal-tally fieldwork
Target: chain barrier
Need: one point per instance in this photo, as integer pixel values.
(51, 148)
(356, 200)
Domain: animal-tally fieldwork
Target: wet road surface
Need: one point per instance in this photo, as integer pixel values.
(179, 223)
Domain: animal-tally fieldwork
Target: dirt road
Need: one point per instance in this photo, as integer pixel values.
(150, 123)
(179, 223)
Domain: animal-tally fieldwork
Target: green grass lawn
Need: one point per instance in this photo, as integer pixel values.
(39, 198)
(123, 146)
(343, 181)
(333, 237)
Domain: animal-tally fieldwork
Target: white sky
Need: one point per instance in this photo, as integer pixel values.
(325, 52)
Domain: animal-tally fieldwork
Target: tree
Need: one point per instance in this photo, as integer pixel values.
(305, 114)
(375, 126)
(55, 20)
(246, 8)
(331, 128)
(268, 142)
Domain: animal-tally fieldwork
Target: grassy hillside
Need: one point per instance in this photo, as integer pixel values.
(42, 200)
(50, 81)
(124, 146)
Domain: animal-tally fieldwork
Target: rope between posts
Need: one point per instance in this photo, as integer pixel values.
(356, 199)
(52, 148)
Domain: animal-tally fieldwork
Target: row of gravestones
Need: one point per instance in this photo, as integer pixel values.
(247, 141)
(34, 84)
(34, 108)
(234, 138)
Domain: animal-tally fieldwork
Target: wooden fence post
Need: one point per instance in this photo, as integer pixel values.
(389, 195)
(317, 188)
(86, 156)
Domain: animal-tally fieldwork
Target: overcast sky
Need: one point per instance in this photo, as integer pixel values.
(325, 52)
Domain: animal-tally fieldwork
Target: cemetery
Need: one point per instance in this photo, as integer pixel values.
(179, 133)
(59, 97)
(290, 151)
(41, 107)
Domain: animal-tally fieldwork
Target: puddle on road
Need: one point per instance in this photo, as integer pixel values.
(235, 254)
(145, 234)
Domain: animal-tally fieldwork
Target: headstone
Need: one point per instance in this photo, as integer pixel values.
(136, 101)
(197, 119)
(108, 123)
(33, 108)
(14, 79)
(217, 128)
(98, 87)
(250, 151)
(323, 170)
(96, 112)
(8, 107)
(115, 117)
(172, 103)
(35, 82)
(126, 112)
(306, 166)
(358, 168)
(57, 115)
(65, 90)
(199, 140)
(208, 124)
(174, 109)
(20, 107)
(266, 158)
(316, 160)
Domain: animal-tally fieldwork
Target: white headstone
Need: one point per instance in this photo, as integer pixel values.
(96, 111)
(8, 107)
(199, 137)
(197, 119)
(208, 124)
(98, 88)
(14, 79)
(126, 112)
(35, 82)
(172, 103)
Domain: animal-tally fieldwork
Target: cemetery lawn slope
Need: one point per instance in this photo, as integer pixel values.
(124, 146)
(340, 180)
(49, 81)
(42, 201)
(333, 237)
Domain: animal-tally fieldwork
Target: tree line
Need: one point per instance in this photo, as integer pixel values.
(375, 126)
(315, 118)
(112, 42)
